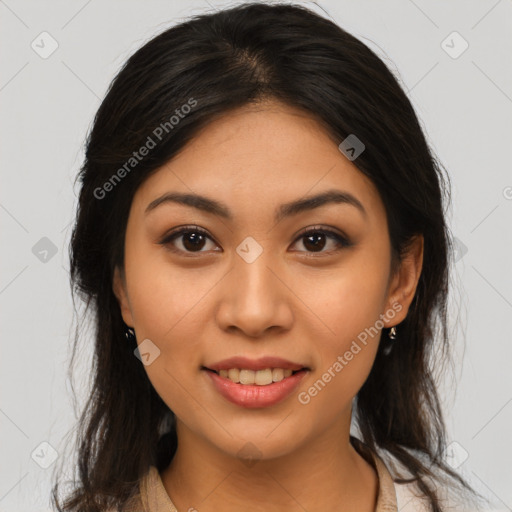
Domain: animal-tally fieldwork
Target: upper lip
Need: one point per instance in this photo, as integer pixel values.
(255, 364)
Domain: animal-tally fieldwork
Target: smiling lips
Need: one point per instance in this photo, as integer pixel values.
(255, 383)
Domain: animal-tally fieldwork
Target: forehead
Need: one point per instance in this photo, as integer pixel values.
(264, 154)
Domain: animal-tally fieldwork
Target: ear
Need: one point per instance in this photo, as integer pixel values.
(119, 289)
(404, 281)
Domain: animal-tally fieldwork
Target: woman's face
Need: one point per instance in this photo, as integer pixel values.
(244, 281)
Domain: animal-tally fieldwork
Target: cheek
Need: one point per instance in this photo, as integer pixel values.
(164, 297)
(348, 304)
(167, 319)
(166, 306)
(170, 315)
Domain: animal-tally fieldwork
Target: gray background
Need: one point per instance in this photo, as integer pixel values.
(464, 103)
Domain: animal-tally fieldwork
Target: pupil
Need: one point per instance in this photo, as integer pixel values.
(193, 241)
(316, 237)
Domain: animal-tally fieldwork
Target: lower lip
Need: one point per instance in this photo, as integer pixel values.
(253, 396)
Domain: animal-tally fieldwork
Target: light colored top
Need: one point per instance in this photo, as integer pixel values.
(152, 496)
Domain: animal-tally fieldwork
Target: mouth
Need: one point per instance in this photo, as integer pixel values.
(248, 377)
(255, 383)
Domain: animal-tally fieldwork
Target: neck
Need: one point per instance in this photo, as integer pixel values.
(323, 474)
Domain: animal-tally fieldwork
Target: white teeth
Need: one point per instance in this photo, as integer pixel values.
(247, 377)
(277, 374)
(234, 374)
(259, 377)
(263, 377)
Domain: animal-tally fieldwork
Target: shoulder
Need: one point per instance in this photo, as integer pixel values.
(409, 499)
(151, 495)
(134, 504)
(138, 501)
(394, 497)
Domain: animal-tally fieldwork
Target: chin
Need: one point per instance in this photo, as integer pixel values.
(262, 444)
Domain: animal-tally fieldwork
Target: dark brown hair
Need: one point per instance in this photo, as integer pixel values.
(225, 60)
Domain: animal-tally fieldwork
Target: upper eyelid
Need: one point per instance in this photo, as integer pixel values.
(180, 231)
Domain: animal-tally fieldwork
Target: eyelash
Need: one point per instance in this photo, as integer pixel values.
(340, 239)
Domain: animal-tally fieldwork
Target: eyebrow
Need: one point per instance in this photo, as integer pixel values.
(214, 207)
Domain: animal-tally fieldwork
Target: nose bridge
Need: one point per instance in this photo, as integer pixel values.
(258, 272)
(255, 283)
(254, 299)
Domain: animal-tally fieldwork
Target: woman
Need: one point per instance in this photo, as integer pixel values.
(261, 240)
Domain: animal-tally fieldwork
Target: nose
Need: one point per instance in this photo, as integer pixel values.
(255, 299)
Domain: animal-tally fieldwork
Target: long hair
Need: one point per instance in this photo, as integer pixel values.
(215, 63)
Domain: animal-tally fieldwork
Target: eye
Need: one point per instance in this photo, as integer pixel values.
(315, 240)
(193, 239)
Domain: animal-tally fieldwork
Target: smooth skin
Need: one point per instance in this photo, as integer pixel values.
(200, 303)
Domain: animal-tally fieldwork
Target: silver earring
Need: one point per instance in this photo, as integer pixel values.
(129, 333)
(390, 345)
